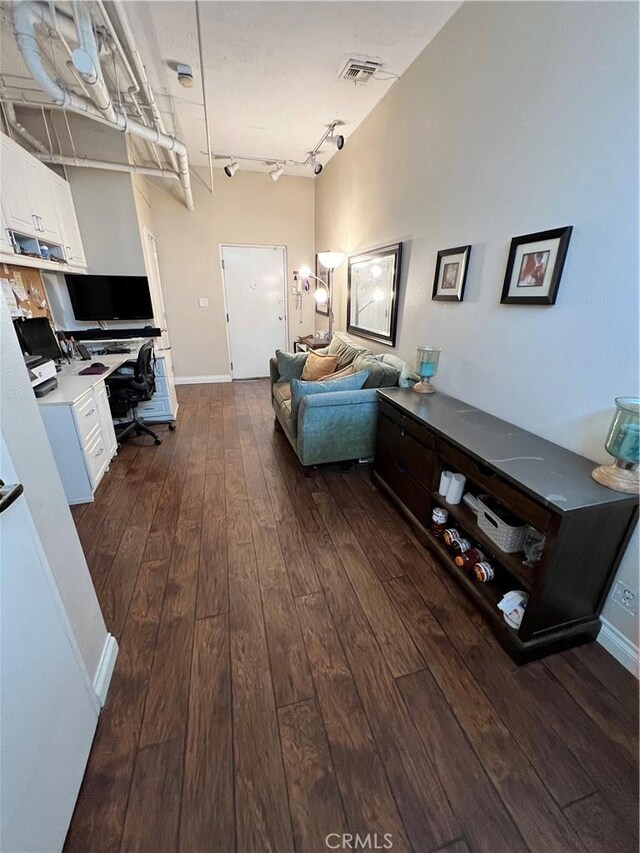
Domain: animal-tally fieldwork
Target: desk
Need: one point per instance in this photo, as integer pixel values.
(78, 421)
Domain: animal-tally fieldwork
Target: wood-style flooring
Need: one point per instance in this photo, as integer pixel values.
(296, 673)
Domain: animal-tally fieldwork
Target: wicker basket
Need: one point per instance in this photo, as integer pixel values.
(501, 526)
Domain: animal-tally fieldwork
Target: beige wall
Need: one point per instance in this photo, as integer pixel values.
(249, 209)
(517, 118)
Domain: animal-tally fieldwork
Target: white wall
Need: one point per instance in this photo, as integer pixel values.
(249, 209)
(27, 442)
(517, 118)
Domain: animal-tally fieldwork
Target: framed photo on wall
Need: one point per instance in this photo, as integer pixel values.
(325, 277)
(534, 267)
(372, 302)
(451, 274)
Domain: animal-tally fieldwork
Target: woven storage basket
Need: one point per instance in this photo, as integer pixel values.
(501, 526)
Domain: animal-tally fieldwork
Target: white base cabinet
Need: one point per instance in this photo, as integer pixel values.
(163, 406)
(83, 442)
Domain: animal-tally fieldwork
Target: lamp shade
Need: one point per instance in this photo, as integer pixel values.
(331, 260)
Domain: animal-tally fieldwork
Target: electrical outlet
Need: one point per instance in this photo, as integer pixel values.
(625, 597)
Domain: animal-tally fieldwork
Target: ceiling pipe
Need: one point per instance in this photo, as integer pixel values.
(86, 162)
(122, 19)
(25, 13)
(10, 114)
(87, 64)
(134, 88)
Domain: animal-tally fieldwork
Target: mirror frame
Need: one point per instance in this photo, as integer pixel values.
(392, 249)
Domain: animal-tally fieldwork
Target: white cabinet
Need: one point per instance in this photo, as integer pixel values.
(70, 230)
(5, 242)
(40, 191)
(163, 406)
(15, 197)
(101, 393)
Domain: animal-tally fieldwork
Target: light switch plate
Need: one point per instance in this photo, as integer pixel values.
(203, 301)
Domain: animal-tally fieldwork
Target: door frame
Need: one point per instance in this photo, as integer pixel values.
(285, 288)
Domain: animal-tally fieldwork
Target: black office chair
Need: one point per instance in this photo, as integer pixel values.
(127, 388)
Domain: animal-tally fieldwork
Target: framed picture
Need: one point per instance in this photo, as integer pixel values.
(451, 274)
(325, 277)
(372, 304)
(535, 266)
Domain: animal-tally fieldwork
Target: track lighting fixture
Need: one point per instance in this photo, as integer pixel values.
(231, 169)
(313, 161)
(336, 141)
(276, 172)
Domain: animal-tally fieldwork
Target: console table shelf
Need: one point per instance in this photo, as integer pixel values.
(586, 526)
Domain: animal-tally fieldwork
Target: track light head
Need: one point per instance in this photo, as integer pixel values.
(336, 141)
(275, 173)
(231, 169)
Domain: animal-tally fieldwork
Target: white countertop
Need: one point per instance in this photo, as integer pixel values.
(72, 386)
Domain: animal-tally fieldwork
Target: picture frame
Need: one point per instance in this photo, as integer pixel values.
(325, 276)
(534, 267)
(373, 284)
(451, 274)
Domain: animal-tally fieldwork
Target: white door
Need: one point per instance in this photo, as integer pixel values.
(255, 284)
(73, 248)
(49, 710)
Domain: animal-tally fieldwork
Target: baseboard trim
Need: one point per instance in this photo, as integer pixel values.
(104, 671)
(622, 649)
(202, 380)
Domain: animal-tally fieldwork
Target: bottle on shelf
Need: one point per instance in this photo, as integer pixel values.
(468, 559)
(451, 535)
(459, 546)
(439, 518)
(484, 571)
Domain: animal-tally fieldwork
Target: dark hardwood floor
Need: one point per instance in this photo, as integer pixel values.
(294, 665)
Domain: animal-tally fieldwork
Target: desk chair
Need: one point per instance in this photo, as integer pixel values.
(128, 386)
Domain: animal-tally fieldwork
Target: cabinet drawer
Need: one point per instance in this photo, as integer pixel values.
(162, 388)
(406, 423)
(416, 459)
(97, 458)
(160, 368)
(87, 417)
(393, 471)
(156, 408)
(483, 476)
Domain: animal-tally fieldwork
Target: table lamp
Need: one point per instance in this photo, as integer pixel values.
(426, 367)
(623, 443)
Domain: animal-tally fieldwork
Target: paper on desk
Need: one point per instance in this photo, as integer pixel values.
(10, 297)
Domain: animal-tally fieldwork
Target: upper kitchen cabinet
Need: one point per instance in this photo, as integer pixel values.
(71, 239)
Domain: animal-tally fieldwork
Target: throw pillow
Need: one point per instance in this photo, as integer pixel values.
(300, 389)
(345, 349)
(317, 366)
(382, 375)
(346, 371)
(408, 377)
(290, 364)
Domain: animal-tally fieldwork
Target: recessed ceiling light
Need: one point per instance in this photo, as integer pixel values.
(185, 75)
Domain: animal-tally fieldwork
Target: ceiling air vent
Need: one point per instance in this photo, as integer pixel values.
(360, 69)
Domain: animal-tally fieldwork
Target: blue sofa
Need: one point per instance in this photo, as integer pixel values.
(334, 426)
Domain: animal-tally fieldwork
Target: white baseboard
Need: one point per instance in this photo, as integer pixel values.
(104, 672)
(202, 380)
(622, 649)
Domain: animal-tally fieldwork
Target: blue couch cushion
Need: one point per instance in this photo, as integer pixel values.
(290, 364)
(382, 375)
(300, 388)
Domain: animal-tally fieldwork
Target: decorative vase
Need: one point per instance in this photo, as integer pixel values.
(426, 367)
(623, 443)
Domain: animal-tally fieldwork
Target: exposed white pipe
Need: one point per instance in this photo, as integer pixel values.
(134, 88)
(86, 162)
(24, 133)
(25, 13)
(85, 59)
(132, 48)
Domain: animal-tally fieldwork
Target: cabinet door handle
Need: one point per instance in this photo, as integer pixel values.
(402, 469)
(100, 452)
(41, 221)
(90, 412)
(34, 219)
(69, 252)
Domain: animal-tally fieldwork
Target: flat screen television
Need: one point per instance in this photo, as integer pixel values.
(109, 297)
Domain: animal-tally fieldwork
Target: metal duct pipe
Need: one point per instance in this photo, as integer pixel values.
(85, 59)
(24, 15)
(59, 160)
(10, 114)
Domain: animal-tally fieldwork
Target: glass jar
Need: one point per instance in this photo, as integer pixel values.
(460, 546)
(439, 518)
(484, 571)
(450, 535)
(623, 440)
(468, 559)
(427, 359)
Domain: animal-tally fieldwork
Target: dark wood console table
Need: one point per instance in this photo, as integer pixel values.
(586, 526)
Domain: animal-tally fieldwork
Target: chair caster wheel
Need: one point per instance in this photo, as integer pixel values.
(172, 427)
(158, 441)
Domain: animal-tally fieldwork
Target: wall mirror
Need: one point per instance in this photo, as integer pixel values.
(372, 306)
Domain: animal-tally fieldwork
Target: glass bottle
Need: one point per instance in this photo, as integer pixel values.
(468, 559)
(439, 518)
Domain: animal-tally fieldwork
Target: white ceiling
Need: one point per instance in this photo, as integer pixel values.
(271, 68)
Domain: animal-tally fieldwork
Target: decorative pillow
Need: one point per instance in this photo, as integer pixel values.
(408, 377)
(300, 388)
(317, 366)
(345, 349)
(290, 364)
(382, 375)
(346, 371)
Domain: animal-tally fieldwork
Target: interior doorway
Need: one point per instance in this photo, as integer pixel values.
(255, 286)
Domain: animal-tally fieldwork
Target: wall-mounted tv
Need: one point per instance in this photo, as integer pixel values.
(109, 297)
